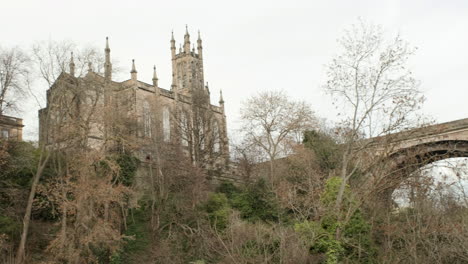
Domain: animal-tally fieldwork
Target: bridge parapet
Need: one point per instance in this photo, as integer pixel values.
(450, 131)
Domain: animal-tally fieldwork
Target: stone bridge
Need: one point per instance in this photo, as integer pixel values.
(395, 156)
(418, 147)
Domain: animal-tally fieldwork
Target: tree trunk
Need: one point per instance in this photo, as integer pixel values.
(339, 197)
(27, 216)
(272, 168)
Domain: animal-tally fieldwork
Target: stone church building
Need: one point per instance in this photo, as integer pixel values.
(93, 109)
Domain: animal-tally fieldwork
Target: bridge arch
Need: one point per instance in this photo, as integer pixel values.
(417, 156)
(401, 164)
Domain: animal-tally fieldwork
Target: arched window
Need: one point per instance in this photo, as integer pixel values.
(146, 119)
(216, 137)
(183, 75)
(166, 124)
(200, 131)
(194, 70)
(184, 129)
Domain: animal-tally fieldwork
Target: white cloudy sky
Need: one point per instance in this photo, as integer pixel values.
(251, 46)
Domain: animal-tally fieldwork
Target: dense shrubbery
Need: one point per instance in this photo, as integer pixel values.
(17, 163)
(17, 166)
(327, 151)
(292, 220)
(137, 235)
(217, 208)
(128, 165)
(257, 202)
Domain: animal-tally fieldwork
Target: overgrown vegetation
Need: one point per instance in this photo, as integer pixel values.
(307, 195)
(247, 223)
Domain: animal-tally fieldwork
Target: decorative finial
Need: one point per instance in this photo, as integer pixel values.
(133, 67)
(107, 44)
(186, 29)
(199, 37)
(134, 71)
(221, 100)
(172, 35)
(72, 65)
(155, 77)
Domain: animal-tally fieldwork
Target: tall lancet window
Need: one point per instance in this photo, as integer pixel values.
(184, 129)
(166, 124)
(201, 133)
(147, 120)
(216, 137)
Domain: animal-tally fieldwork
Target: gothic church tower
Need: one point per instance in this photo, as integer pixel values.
(187, 67)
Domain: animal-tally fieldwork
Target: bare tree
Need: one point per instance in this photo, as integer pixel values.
(375, 91)
(14, 77)
(272, 121)
(53, 57)
(198, 129)
(66, 125)
(431, 210)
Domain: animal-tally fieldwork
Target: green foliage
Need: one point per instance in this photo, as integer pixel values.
(128, 166)
(19, 165)
(116, 258)
(321, 234)
(138, 235)
(358, 232)
(257, 202)
(326, 149)
(357, 225)
(9, 226)
(229, 189)
(332, 187)
(217, 208)
(320, 240)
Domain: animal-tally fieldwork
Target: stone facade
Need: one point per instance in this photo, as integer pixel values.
(11, 128)
(146, 114)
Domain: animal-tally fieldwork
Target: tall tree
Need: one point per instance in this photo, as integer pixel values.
(374, 89)
(66, 125)
(271, 120)
(14, 77)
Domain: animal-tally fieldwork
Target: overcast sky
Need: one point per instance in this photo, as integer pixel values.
(250, 46)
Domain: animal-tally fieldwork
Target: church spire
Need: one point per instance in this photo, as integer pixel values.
(199, 46)
(186, 40)
(173, 47)
(107, 44)
(107, 64)
(155, 77)
(221, 100)
(72, 65)
(134, 71)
